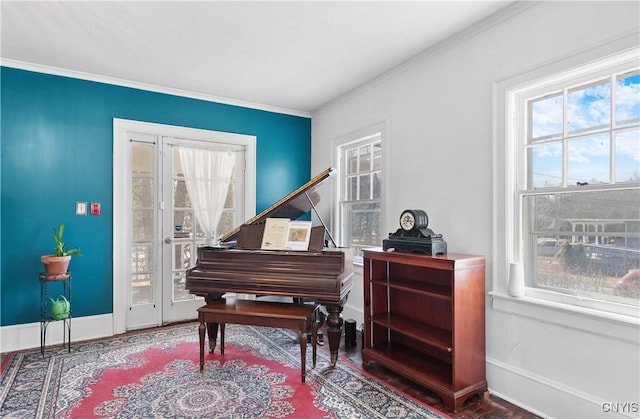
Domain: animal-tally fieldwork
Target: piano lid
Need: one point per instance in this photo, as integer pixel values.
(292, 206)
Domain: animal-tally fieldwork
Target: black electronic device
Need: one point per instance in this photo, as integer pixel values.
(414, 236)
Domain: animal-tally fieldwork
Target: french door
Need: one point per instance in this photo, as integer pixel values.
(162, 234)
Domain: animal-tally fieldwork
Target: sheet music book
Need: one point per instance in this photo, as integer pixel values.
(284, 234)
(275, 233)
(298, 235)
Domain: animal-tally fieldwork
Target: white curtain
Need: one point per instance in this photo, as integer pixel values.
(207, 174)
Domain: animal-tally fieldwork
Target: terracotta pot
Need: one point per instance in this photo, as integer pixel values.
(55, 265)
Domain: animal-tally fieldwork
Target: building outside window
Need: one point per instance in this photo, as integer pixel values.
(360, 193)
(576, 147)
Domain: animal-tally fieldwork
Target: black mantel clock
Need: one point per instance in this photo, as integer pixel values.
(414, 236)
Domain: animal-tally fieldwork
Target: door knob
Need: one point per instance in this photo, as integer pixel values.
(168, 240)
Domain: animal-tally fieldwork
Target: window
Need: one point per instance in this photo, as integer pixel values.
(575, 144)
(360, 193)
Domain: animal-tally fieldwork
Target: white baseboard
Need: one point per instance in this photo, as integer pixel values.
(544, 397)
(27, 336)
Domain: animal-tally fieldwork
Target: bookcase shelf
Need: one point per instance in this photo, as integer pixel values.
(424, 319)
(429, 290)
(423, 332)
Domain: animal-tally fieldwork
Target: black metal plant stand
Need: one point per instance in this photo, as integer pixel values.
(45, 307)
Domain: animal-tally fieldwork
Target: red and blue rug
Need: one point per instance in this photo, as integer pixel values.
(155, 373)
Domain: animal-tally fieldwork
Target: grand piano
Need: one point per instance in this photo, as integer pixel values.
(322, 274)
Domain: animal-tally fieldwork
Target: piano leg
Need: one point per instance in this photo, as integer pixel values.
(334, 330)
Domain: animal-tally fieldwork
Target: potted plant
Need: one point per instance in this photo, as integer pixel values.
(58, 262)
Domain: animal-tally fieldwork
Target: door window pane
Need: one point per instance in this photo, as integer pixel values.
(182, 255)
(183, 224)
(180, 194)
(177, 164)
(142, 159)
(180, 293)
(142, 224)
(142, 257)
(229, 202)
(142, 192)
(225, 224)
(141, 289)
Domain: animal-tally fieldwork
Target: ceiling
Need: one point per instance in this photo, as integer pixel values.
(291, 56)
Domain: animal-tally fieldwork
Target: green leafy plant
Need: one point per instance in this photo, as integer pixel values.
(61, 249)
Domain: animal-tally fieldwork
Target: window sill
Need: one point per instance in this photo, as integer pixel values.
(617, 326)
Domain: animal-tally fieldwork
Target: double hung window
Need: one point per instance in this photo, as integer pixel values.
(575, 144)
(360, 193)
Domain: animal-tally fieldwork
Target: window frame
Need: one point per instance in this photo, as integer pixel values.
(511, 97)
(370, 135)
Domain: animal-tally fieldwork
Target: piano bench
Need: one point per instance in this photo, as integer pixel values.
(260, 313)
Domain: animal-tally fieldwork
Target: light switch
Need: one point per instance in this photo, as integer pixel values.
(81, 208)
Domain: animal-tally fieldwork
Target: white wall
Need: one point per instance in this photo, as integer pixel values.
(439, 113)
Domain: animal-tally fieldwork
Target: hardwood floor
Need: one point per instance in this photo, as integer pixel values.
(474, 408)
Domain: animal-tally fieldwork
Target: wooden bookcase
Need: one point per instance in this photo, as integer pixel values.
(424, 319)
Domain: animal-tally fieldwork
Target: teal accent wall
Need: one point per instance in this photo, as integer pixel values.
(56, 148)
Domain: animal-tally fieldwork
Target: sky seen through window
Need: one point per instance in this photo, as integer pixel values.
(588, 120)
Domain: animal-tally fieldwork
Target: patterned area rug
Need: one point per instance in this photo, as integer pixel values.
(156, 374)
